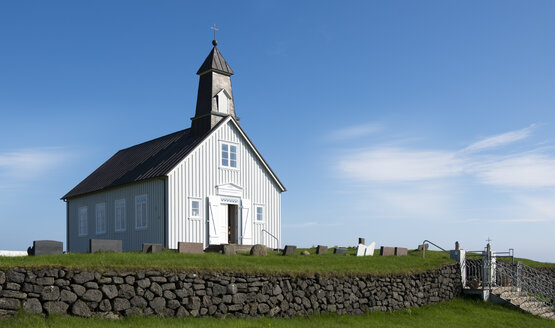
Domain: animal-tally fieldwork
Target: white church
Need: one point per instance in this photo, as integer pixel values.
(206, 184)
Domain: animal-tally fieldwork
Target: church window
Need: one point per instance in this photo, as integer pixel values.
(194, 208)
(229, 155)
(83, 229)
(101, 218)
(259, 213)
(141, 215)
(120, 221)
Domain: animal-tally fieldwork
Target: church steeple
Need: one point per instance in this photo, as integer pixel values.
(215, 97)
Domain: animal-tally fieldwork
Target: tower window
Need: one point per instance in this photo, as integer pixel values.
(222, 100)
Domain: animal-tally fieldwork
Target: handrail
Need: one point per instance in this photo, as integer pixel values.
(424, 248)
(266, 231)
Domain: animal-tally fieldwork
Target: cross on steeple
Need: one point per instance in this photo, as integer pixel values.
(214, 28)
(488, 240)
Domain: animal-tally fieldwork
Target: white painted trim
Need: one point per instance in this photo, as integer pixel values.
(137, 227)
(116, 215)
(229, 189)
(96, 212)
(79, 223)
(190, 210)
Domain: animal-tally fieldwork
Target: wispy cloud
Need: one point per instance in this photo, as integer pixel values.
(355, 131)
(500, 140)
(393, 164)
(29, 163)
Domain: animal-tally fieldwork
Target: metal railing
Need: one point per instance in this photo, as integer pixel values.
(526, 280)
(266, 231)
(424, 247)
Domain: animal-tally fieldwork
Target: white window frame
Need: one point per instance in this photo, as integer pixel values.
(191, 216)
(80, 225)
(221, 157)
(145, 226)
(123, 224)
(97, 210)
(256, 207)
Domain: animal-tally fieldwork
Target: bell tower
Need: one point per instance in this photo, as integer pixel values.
(215, 97)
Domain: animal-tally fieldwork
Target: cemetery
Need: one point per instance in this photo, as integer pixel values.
(227, 281)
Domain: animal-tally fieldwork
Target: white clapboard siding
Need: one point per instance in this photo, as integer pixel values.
(132, 239)
(198, 175)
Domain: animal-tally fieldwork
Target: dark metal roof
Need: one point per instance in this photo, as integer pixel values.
(215, 61)
(148, 160)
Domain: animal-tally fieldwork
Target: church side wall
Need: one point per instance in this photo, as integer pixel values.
(198, 175)
(132, 238)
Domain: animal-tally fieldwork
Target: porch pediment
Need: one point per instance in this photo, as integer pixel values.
(229, 189)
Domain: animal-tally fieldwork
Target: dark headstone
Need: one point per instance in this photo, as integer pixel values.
(43, 247)
(321, 249)
(401, 251)
(105, 245)
(387, 251)
(190, 248)
(259, 250)
(289, 250)
(361, 241)
(340, 251)
(152, 248)
(425, 247)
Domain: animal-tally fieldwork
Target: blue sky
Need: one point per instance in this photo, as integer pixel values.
(395, 121)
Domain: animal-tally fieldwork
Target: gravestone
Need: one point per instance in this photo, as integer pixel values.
(259, 250)
(457, 246)
(321, 249)
(361, 240)
(190, 248)
(152, 248)
(340, 251)
(229, 250)
(387, 251)
(105, 245)
(305, 252)
(400, 251)
(361, 250)
(425, 247)
(42, 247)
(370, 249)
(289, 250)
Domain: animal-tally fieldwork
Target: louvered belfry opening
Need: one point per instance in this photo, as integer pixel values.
(214, 84)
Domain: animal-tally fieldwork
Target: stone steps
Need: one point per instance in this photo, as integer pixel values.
(525, 302)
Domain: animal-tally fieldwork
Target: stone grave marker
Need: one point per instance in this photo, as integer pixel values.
(425, 247)
(361, 250)
(370, 249)
(400, 251)
(42, 247)
(321, 249)
(340, 251)
(289, 250)
(105, 245)
(387, 251)
(259, 250)
(190, 248)
(152, 248)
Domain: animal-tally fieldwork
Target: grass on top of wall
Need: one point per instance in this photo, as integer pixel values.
(241, 263)
(460, 313)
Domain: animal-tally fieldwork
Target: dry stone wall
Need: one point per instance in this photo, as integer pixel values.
(113, 294)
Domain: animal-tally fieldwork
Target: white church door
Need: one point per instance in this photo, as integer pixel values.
(217, 221)
(246, 222)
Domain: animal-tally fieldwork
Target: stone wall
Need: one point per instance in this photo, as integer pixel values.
(111, 294)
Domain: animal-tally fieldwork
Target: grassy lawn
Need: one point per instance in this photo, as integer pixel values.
(213, 262)
(461, 312)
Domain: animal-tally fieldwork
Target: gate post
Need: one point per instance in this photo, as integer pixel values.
(459, 255)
